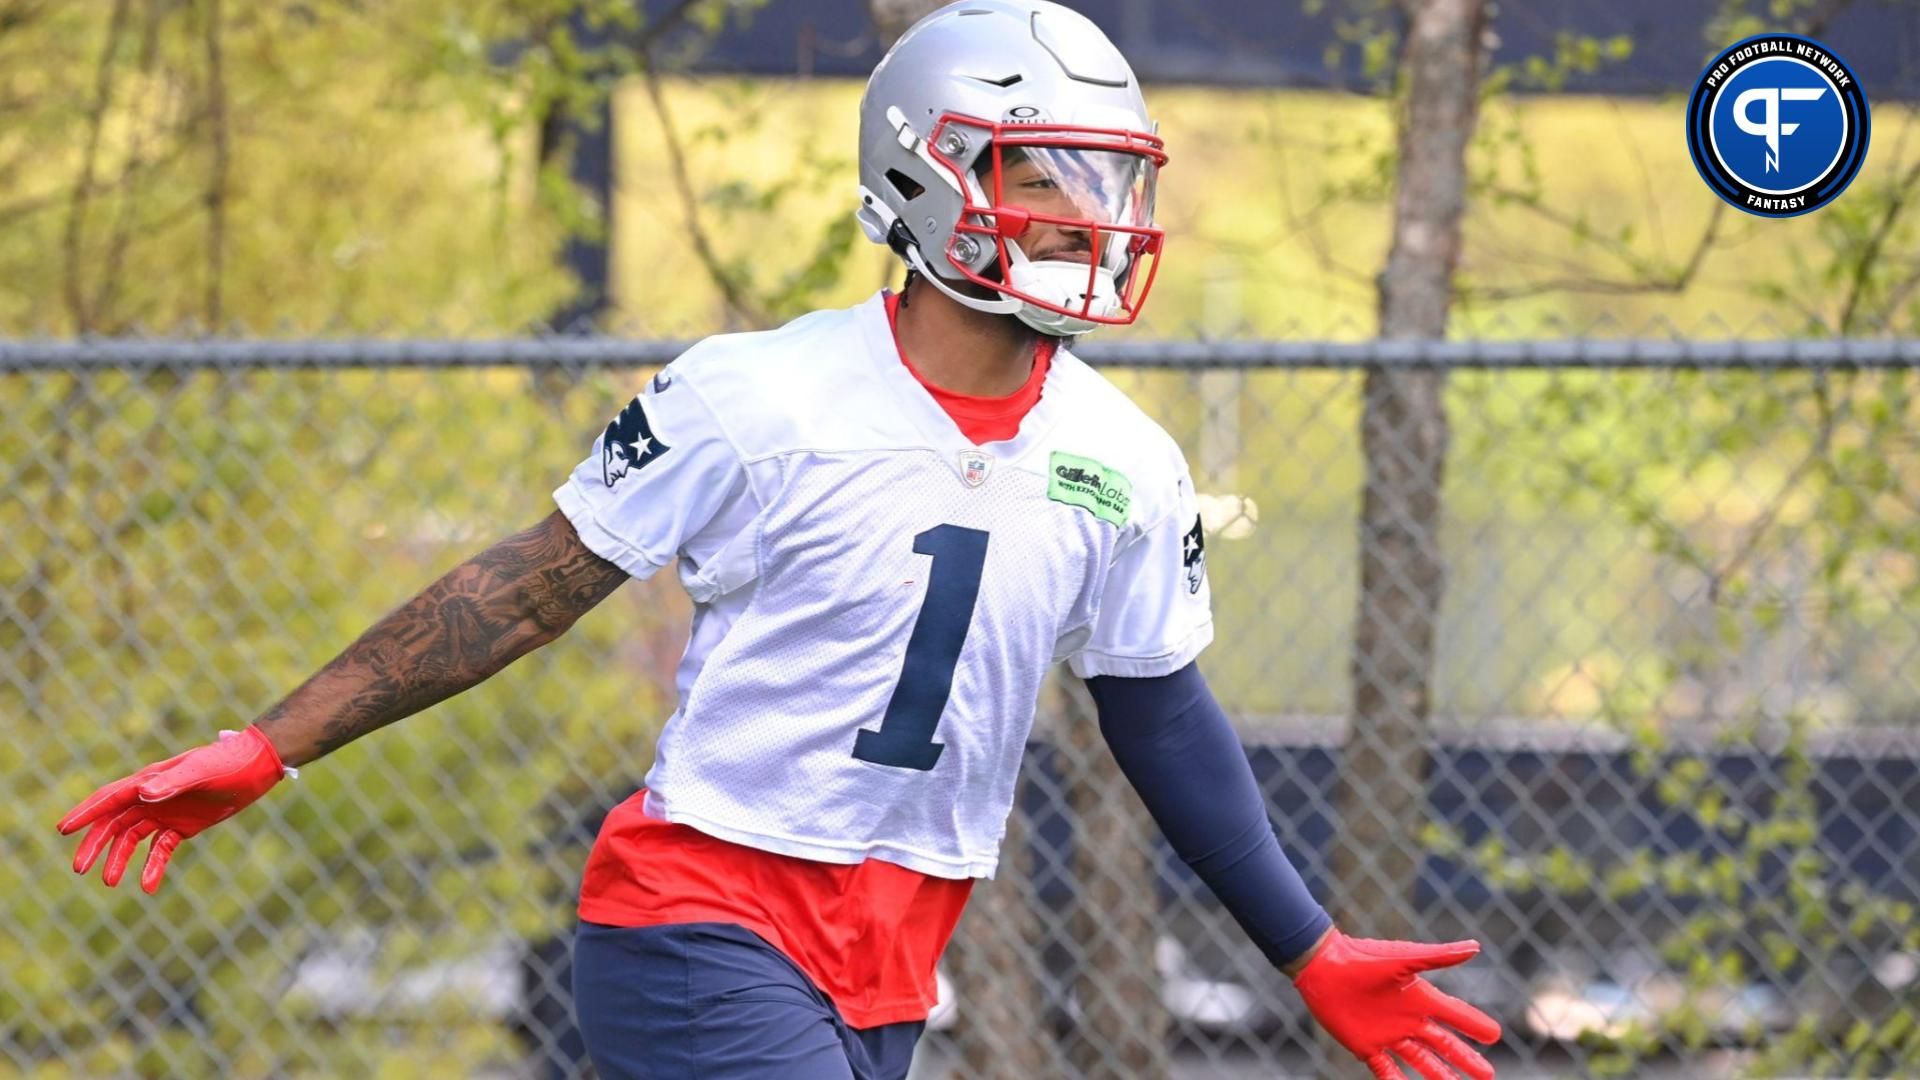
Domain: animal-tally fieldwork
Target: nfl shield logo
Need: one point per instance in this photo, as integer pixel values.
(973, 467)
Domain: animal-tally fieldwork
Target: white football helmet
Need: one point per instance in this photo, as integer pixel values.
(983, 86)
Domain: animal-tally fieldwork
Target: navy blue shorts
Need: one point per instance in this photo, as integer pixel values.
(715, 1000)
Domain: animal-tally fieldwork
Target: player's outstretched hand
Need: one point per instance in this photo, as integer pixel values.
(170, 801)
(1369, 995)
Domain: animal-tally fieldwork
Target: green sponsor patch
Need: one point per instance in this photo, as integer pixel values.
(1086, 483)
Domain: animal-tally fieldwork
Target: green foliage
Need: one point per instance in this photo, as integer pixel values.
(1720, 932)
(173, 568)
(1784, 498)
(325, 215)
(1737, 19)
(1366, 32)
(174, 587)
(1786, 501)
(1573, 54)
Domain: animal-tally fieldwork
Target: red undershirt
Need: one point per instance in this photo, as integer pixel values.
(867, 934)
(983, 419)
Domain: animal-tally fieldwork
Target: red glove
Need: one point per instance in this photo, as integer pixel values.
(1369, 995)
(175, 798)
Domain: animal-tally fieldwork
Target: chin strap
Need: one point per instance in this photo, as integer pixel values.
(1006, 305)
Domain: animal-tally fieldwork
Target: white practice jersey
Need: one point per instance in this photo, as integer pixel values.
(876, 598)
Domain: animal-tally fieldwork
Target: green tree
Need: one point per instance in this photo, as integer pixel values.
(188, 543)
(1644, 457)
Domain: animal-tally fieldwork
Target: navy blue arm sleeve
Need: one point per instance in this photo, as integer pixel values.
(1179, 751)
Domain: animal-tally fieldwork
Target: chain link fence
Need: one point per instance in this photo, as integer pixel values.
(1669, 760)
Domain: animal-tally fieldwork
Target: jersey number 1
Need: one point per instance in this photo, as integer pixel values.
(905, 738)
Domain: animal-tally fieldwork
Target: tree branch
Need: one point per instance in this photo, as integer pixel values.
(83, 185)
(216, 196)
(1898, 296)
(34, 204)
(1863, 267)
(1822, 442)
(730, 290)
(1307, 223)
(659, 28)
(19, 13)
(1678, 281)
(120, 237)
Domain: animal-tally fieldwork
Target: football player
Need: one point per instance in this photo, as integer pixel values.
(892, 520)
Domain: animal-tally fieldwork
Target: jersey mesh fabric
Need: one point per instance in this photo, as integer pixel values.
(868, 935)
(818, 657)
(798, 549)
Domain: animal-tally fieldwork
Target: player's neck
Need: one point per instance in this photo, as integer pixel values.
(957, 348)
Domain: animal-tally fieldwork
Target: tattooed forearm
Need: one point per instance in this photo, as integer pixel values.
(489, 611)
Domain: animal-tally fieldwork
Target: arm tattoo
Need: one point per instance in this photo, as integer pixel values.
(484, 614)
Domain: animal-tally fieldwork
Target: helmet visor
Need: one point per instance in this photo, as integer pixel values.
(1106, 187)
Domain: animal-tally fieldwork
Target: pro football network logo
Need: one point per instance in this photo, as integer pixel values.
(1778, 125)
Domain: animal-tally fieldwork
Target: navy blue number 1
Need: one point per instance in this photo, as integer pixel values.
(905, 738)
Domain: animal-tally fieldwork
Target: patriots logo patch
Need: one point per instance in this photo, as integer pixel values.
(1193, 553)
(628, 443)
